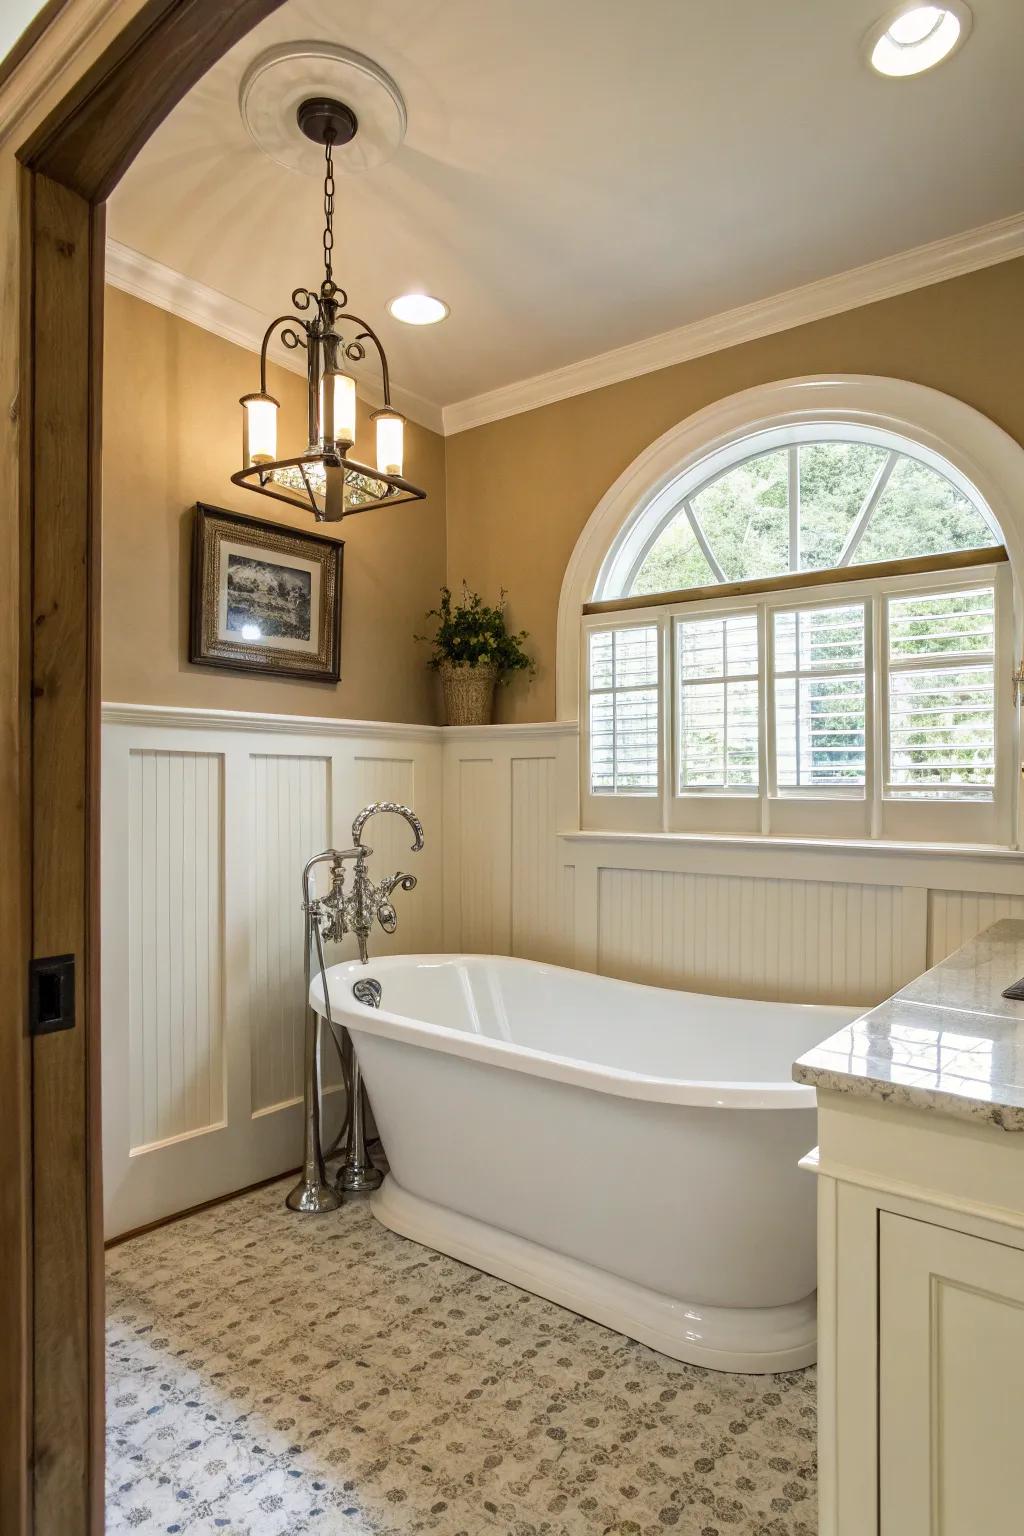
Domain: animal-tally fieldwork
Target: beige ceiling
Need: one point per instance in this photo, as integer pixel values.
(580, 174)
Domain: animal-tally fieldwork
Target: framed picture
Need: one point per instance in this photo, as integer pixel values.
(264, 598)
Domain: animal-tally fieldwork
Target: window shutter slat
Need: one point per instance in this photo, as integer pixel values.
(942, 695)
(624, 711)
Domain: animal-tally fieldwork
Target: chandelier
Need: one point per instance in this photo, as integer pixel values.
(324, 479)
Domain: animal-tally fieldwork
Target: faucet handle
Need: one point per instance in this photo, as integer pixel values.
(387, 917)
(386, 914)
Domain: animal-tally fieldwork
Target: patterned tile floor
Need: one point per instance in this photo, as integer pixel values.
(278, 1375)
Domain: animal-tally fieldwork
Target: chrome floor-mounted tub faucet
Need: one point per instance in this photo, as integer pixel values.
(328, 919)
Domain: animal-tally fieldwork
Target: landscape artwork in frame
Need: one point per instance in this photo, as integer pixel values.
(264, 598)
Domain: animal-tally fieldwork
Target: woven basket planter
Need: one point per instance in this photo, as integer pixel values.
(468, 693)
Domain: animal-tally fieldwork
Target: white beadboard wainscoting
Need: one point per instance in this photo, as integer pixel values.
(208, 817)
(508, 790)
(207, 820)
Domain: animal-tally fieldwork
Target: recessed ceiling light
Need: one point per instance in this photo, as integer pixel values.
(418, 309)
(917, 37)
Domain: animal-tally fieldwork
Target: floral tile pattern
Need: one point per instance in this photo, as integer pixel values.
(276, 1374)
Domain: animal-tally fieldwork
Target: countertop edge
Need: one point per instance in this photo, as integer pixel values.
(1005, 1117)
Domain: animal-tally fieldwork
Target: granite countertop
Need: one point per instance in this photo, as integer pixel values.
(947, 1042)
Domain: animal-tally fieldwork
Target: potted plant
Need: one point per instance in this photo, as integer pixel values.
(473, 649)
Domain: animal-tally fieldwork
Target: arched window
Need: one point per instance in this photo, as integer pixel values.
(798, 500)
(806, 632)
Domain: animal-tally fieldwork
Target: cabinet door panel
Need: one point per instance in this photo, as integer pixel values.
(951, 1360)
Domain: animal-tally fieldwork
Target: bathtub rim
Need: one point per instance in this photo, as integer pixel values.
(695, 1093)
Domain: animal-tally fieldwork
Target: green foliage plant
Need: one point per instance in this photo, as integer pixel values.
(470, 633)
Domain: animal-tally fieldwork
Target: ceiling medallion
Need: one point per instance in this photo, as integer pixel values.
(277, 83)
(323, 478)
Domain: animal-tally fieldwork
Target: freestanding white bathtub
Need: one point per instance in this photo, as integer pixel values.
(626, 1151)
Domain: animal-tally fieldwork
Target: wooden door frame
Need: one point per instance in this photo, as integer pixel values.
(51, 1231)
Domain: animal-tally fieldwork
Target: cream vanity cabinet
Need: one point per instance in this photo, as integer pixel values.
(920, 1174)
(950, 1333)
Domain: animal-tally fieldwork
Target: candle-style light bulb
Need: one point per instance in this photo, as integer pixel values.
(390, 441)
(338, 408)
(259, 429)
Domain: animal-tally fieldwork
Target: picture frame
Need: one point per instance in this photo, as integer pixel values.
(264, 598)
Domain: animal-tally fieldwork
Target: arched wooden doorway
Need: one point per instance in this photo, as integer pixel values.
(51, 1240)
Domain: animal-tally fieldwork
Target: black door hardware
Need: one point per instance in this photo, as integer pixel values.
(51, 994)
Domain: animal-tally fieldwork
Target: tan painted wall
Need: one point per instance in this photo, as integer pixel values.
(520, 490)
(509, 498)
(172, 437)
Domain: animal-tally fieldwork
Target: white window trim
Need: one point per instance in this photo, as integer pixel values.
(871, 816)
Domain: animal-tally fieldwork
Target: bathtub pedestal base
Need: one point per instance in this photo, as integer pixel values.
(744, 1339)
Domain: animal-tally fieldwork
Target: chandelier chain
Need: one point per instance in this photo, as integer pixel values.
(329, 209)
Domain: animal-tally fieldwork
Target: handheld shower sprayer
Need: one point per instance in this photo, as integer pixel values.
(328, 919)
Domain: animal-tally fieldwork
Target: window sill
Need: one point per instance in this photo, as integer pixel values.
(813, 844)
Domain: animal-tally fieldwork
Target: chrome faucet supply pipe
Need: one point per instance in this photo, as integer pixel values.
(359, 1174)
(312, 1194)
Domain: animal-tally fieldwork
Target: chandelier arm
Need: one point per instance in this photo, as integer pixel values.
(271, 328)
(369, 333)
(398, 500)
(309, 491)
(243, 479)
(304, 298)
(255, 478)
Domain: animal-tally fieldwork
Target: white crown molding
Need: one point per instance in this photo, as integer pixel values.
(52, 55)
(986, 246)
(229, 318)
(917, 268)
